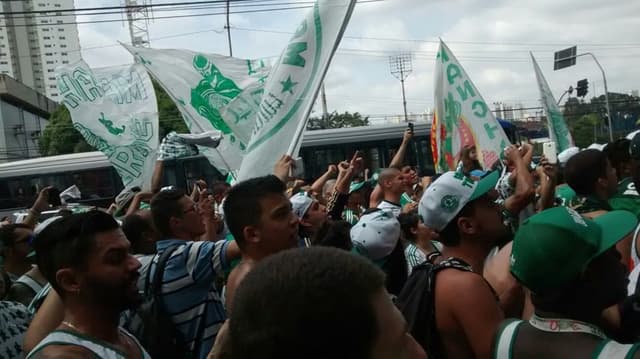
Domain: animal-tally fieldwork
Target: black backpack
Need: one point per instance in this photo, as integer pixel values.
(150, 323)
(416, 301)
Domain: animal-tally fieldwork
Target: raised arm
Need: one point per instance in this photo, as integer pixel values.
(318, 185)
(548, 180)
(525, 190)
(398, 159)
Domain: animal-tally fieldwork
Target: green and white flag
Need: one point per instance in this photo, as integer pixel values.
(558, 129)
(208, 89)
(293, 86)
(462, 117)
(115, 110)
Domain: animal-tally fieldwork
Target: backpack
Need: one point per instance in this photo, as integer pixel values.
(416, 301)
(150, 323)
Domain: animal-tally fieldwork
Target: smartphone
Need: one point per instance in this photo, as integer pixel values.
(411, 127)
(298, 170)
(549, 151)
(54, 197)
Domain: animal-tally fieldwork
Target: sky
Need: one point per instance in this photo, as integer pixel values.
(490, 38)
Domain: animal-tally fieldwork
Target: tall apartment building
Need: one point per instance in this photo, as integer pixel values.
(33, 45)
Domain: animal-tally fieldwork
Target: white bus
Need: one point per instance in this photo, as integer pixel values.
(98, 182)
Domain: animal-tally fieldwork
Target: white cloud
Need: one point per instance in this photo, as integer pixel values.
(490, 38)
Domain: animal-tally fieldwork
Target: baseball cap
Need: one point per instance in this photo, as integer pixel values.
(376, 234)
(356, 186)
(300, 203)
(555, 246)
(634, 148)
(39, 228)
(565, 155)
(446, 196)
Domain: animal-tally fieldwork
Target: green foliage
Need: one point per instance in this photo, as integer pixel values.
(585, 131)
(338, 120)
(59, 137)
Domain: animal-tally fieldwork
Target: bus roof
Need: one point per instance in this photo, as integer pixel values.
(70, 162)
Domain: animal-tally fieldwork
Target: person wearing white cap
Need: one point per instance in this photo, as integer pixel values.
(377, 237)
(470, 224)
(311, 214)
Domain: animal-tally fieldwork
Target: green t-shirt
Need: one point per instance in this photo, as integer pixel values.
(626, 197)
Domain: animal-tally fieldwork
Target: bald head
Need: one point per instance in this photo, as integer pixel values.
(388, 174)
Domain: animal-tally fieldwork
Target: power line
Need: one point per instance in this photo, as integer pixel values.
(123, 7)
(450, 41)
(177, 16)
(244, 4)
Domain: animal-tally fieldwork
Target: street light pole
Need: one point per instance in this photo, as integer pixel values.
(606, 93)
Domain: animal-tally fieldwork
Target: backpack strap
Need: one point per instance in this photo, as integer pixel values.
(505, 337)
(163, 258)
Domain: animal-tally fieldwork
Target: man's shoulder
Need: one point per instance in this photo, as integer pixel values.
(454, 285)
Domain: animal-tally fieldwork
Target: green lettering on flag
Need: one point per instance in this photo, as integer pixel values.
(292, 54)
(453, 71)
(467, 91)
(490, 130)
(480, 109)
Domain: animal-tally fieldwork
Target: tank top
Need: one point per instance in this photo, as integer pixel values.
(506, 337)
(100, 349)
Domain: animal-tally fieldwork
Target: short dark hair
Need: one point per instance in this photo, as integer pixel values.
(8, 232)
(387, 174)
(67, 242)
(242, 206)
(134, 228)
(408, 221)
(326, 290)
(335, 234)
(618, 153)
(583, 170)
(164, 205)
(450, 235)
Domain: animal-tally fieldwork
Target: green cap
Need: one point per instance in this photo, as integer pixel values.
(555, 246)
(356, 186)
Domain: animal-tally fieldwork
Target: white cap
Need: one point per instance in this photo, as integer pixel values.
(300, 203)
(596, 146)
(446, 196)
(565, 155)
(376, 234)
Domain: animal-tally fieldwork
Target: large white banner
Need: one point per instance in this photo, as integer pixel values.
(115, 110)
(213, 92)
(462, 117)
(293, 86)
(558, 129)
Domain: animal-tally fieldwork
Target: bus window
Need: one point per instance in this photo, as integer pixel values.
(13, 193)
(425, 157)
(94, 184)
(197, 168)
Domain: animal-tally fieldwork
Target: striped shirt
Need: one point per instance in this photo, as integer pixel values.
(414, 256)
(190, 293)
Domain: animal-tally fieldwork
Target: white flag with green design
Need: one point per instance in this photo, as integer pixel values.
(558, 129)
(462, 117)
(208, 89)
(116, 112)
(293, 86)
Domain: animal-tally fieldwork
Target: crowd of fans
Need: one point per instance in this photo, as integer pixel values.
(527, 260)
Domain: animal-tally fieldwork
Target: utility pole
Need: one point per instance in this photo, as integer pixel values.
(325, 112)
(567, 57)
(401, 66)
(228, 27)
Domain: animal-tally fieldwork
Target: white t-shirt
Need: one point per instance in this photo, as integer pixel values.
(390, 206)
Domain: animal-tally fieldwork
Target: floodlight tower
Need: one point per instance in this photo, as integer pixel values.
(401, 66)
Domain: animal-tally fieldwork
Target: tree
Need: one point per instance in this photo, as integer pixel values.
(585, 131)
(338, 120)
(59, 137)
(625, 112)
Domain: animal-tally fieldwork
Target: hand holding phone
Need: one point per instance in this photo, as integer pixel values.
(297, 170)
(549, 151)
(411, 127)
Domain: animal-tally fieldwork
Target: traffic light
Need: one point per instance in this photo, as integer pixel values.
(582, 88)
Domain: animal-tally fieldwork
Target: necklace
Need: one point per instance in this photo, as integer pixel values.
(64, 322)
(565, 326)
